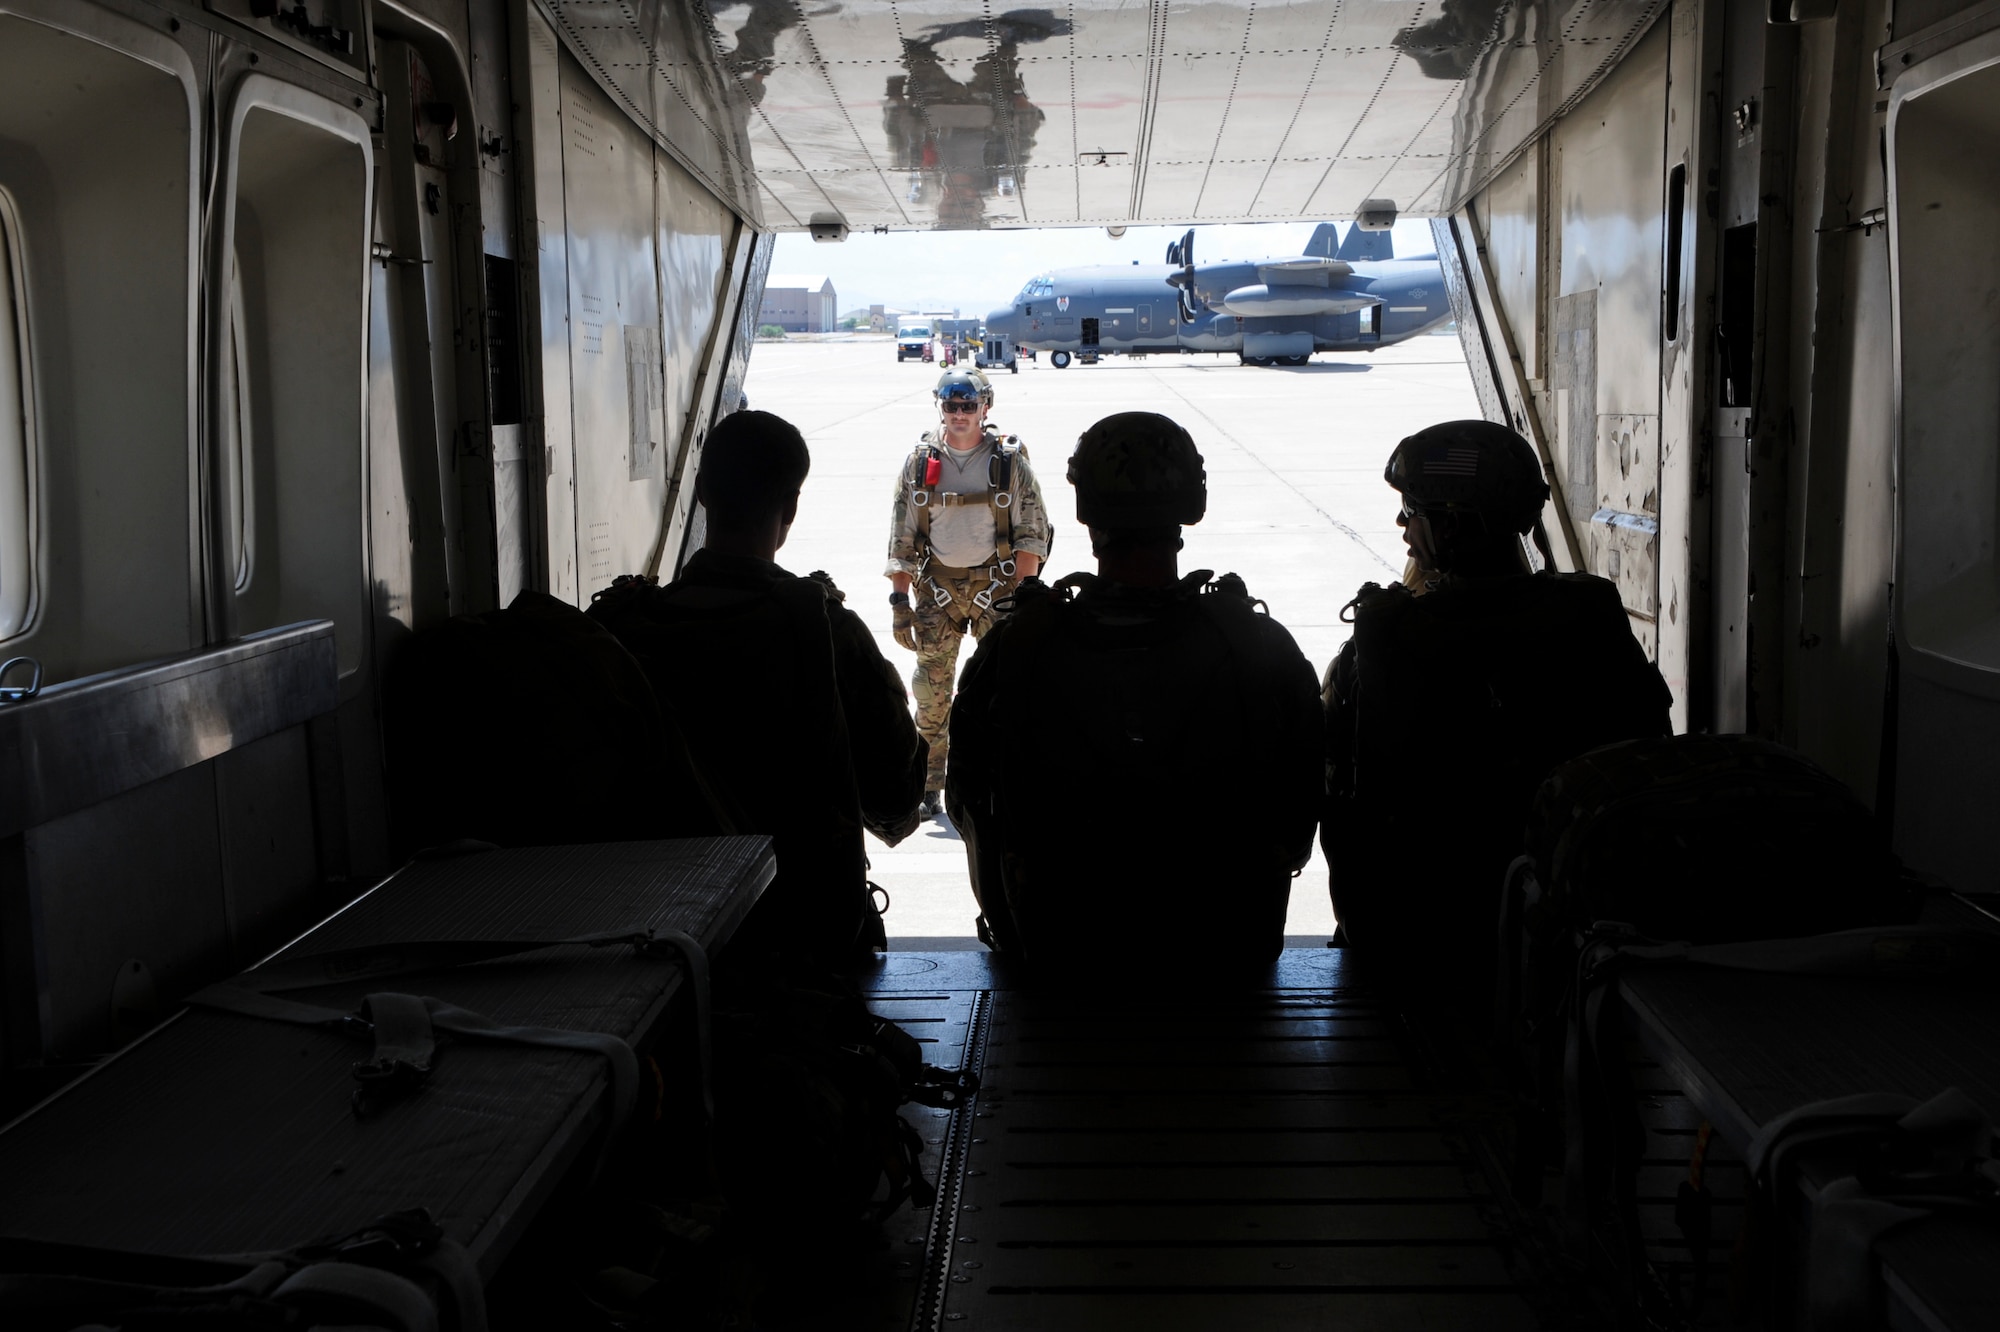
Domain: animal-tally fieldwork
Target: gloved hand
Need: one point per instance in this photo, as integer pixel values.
(905, 625)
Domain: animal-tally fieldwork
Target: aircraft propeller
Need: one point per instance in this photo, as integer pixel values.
(1182, 252)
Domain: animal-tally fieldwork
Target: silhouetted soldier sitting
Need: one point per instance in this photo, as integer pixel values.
(789, 708)
(1446, 710)
(1135, 758)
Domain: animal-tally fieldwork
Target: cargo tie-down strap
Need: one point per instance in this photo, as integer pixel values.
(385, 1276)
(404, 1027)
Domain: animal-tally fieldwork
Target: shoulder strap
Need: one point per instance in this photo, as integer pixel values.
(1000, 494)
(917, 482)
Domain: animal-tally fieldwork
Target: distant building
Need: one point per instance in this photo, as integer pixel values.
(798, 303)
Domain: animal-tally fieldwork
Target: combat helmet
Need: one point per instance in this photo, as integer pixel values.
(1138, 469)
(963, 382)
(1470, 466)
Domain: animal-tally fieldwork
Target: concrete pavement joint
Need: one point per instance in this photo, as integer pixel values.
(1283, 480)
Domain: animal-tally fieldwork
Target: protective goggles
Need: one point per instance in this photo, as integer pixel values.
(958, 404)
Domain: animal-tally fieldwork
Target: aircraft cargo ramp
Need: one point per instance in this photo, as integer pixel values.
(1145, 1155)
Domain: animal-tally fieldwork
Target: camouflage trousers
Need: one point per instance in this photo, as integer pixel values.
(940, 628)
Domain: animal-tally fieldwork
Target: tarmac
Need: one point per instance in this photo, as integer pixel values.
(1297, 506)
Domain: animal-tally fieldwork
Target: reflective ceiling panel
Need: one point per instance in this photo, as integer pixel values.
(905, 114)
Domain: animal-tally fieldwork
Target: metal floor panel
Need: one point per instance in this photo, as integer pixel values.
(1144, 1156)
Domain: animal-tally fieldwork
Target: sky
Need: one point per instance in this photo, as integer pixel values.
(979, 271)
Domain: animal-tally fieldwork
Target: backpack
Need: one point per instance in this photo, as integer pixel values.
(1710, 839)
(753, 668)
(1163, 714)
(532, 726)
(1483, 688)
(1461, 703)
(811, 1150)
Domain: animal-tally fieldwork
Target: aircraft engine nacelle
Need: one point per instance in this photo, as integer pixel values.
(1265, 301)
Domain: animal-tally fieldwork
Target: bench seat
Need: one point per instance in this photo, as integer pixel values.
(223, 1134)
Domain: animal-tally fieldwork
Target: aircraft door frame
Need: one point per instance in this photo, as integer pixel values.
(425, 378)
(470, 451)
(298, 402)
(1942, 739)
(115, 570)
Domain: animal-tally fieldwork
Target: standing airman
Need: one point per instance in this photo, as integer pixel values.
(968, 523)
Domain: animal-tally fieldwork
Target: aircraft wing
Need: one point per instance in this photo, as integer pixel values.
(1305, 268)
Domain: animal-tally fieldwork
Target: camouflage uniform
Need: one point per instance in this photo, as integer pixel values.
(956, 537)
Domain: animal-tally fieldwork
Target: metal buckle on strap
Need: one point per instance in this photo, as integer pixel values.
(1003, 499)
(919, 498)
(984, 600)
(391, 1070)
(942, 597)
(1006, 568)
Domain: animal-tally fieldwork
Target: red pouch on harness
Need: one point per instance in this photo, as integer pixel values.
(933, 469)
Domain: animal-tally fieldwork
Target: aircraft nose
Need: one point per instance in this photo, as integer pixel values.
(1000, 324)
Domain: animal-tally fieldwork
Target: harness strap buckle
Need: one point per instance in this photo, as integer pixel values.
(1006, 568)
(1003, 499)
(919, 498)
(405, 1046)
(942, 597)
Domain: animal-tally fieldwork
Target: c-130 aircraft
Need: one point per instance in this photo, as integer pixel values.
(1352, 295)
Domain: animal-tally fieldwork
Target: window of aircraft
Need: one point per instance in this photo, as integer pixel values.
(290, 431)
(17, 546)
(96, 294)
(1946, 140)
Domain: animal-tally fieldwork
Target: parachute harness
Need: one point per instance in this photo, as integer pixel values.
(926, 470)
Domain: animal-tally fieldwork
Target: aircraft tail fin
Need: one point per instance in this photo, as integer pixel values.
(1366, 246)
(1325, 239)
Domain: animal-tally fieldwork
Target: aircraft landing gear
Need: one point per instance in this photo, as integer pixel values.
(1059, 359)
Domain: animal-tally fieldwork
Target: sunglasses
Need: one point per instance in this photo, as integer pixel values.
(958, 405)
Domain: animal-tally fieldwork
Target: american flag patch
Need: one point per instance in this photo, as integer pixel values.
(1457, 460)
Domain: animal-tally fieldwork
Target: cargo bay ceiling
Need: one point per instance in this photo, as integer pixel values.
(927, 114)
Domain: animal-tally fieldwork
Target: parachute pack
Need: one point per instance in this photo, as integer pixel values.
(1158, 711)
